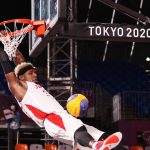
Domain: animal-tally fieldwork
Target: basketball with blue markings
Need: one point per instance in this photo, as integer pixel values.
(77, 105)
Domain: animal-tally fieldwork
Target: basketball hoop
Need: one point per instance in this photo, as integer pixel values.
(13, 31)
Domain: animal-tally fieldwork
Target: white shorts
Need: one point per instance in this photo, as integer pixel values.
(66, 134)
(71, 124)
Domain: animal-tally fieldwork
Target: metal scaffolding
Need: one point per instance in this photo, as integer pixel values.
(61, 68)
(62, 62)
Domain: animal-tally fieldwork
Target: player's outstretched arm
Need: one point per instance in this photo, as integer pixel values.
(13, 83)
(19, 58)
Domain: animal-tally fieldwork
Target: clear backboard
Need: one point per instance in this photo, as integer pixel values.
(53, 12)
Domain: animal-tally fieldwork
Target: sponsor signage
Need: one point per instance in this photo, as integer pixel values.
(112, 32)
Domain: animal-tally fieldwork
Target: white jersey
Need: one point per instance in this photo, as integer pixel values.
(38, 103)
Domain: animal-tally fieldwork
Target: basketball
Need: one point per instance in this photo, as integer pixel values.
(77, 105)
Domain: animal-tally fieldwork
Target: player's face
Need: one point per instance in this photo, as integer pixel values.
(30, 75)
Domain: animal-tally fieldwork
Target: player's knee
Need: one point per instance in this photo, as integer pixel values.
(82, 136)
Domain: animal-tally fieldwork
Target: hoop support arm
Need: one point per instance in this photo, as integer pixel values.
(40, 27)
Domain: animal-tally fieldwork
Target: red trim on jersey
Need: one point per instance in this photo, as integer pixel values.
(37, 112)
(56, 119)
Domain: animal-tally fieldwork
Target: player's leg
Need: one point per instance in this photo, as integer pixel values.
(105, 141)
(64, 127)
(68, 129)
(83, 138)
(71, 129)
(95, 133)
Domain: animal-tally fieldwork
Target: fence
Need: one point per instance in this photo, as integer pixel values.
(131, 105)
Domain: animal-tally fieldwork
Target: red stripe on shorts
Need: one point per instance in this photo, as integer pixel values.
(56, 119)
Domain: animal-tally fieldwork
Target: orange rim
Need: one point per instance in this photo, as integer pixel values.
(21, 21)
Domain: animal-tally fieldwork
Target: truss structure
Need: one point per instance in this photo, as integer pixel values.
(61, 68)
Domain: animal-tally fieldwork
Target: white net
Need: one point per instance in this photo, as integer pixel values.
(12, 41)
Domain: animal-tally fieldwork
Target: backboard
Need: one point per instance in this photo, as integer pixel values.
(54, 13)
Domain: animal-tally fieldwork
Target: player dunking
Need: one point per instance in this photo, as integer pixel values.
(46, 112)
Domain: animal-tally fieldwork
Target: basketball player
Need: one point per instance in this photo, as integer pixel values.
(46, 112)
